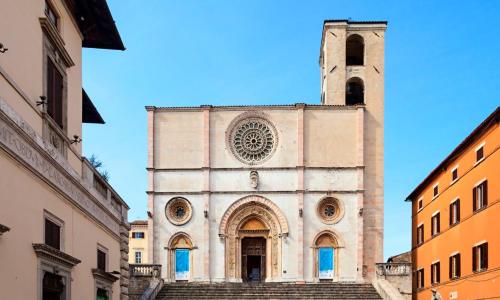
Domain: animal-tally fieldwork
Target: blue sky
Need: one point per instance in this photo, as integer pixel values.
(441, 77)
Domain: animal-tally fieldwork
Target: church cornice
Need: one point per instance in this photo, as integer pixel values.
(249, 168)
(295, 106)
(240, 192)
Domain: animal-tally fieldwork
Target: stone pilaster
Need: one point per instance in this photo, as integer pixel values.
(124, 267)
(151, 170)
(300, 191)
(206, 190)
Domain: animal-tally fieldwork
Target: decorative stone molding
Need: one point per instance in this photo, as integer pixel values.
(252, 138)
(248, 201)
(20, 140)
(254, 179)
(56, 256)
(178, 211)
(56, 39)
(231, 227)
(104, 276)
(330, 210)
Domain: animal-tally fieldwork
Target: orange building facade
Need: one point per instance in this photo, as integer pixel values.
(456, 221)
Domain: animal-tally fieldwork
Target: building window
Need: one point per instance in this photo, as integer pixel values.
(455, 266)
(435, 224)
(480, 196)
(52, 234)
(51, 14)
(138, 235)
(479, 153)
(420, 204)
(455, 212)
(420, 234)
(138, 257)
(102, 294)
(420, 278)
(480, 257)
(436, 273)
(454, 174)
(101, 260)
(435, 190)
(55, 86)
(330, 210)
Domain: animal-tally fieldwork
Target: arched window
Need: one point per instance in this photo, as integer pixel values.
(354, 91)
(355, 50)
(180, 257)
(326, 246)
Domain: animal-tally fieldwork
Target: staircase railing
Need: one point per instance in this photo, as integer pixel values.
(145, 280)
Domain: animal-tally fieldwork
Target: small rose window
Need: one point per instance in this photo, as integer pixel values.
(178, 211)
(330, 210)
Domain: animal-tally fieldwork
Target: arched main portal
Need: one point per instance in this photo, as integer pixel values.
(253, 226)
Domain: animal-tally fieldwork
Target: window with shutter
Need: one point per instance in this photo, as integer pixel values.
(54, 93)
(484, 256)
(435, 273)
(420, 234)
(435, 224)
(435, 190)
(454, 174)
(101, 260)
(420, 279)
(455, 212)
(480, 257)
(52, 234)
(480, 196)
(474, 259)
(479, 154)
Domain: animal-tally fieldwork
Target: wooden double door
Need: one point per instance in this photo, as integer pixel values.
(253, 259)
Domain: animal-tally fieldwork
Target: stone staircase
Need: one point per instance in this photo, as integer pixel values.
(236, 291)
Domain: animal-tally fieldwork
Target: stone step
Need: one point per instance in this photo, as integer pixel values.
(235, 291)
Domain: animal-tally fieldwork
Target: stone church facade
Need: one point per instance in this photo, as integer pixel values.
(287, 193)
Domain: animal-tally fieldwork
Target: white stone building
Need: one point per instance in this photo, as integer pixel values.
(278, 192)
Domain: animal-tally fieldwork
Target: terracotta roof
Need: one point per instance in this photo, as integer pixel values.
(139, 222)
(400, 258)
(490, 121)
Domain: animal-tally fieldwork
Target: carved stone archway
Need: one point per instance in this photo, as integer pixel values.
(179, 240)
(231, 231)
(331, 239)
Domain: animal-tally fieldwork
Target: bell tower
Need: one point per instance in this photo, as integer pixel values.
(352, 74)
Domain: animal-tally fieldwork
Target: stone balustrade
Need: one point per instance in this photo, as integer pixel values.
(148, 270)
(394, 269)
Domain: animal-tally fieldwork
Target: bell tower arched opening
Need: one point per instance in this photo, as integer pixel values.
(355, 91)
(355, 50)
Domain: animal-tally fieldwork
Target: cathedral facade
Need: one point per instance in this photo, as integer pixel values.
(286, 193)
